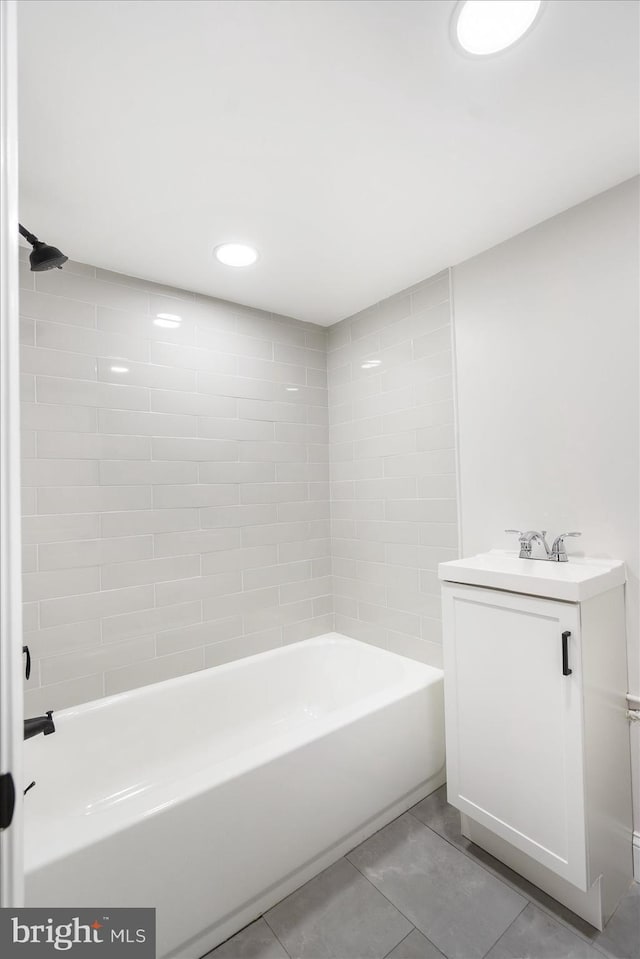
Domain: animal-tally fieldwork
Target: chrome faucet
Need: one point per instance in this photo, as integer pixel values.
(527, 539)
(557, 553)
(532, 536)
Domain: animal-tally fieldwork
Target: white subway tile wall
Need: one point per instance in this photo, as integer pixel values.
(176, 492)
(393, 483)
(175, 483)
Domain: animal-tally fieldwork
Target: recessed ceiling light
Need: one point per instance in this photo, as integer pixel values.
(483, 27)
(169, 321)
(370, 364)
(236, 254)
(292, 389)
(119, 369)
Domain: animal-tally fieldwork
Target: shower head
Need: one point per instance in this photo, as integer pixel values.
(43, 256)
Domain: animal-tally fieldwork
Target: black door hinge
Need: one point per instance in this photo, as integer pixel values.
(7, 799)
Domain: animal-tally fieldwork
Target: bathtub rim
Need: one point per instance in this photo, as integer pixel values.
(111, 821)
(332, 638)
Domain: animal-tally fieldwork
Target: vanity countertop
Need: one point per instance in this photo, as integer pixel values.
(578, 579)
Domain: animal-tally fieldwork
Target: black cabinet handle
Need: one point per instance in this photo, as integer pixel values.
(27, 672)
(565, 653)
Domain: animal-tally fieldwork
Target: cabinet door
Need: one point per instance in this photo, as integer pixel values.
(514, 723)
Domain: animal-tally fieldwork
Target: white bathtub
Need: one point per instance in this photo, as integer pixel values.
(213, 795)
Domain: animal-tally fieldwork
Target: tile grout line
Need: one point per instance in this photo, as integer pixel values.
(506, 930)
(527, 902)
(390, 901)
(505, 882)
(401, 941)
(275, 934)
(539, 905)
(413, 927)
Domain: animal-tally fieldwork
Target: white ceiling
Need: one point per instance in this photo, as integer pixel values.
(346, 139)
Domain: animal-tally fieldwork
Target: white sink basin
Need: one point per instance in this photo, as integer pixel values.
(575, 581)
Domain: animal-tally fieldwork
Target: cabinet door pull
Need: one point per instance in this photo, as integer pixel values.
(565, 653)
(27, 671)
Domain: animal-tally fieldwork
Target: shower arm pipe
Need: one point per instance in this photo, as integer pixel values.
(28, 236)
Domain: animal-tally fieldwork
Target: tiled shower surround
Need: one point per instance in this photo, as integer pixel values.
(176, 479)
(175, 483)
(393, 475)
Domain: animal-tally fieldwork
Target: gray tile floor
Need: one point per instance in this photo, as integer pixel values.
(419, 890)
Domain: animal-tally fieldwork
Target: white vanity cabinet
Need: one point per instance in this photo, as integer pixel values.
(514, 722)
(538, 758)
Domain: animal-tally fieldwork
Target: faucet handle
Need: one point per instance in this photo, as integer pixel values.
(562, 536)
(525, 546)
(558, 552)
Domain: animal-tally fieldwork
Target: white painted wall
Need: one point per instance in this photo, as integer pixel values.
(546, 328)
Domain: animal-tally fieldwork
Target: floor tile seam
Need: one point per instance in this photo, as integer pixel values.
(413, 929)
(507, 882)
(264, 916)
(396, 907)
(392, 903)
(515, 919)
(399, 943)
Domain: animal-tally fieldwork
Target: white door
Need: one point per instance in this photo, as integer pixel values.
(513, 702)
(11, 873)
